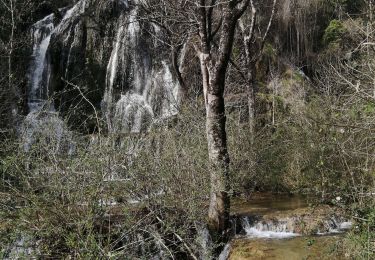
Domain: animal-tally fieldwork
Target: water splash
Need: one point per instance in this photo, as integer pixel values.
(287, 227)
(256, 233)
(263, 229)
(335, 226)
(133, 113)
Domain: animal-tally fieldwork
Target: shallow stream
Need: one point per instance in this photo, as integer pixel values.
(286, 228)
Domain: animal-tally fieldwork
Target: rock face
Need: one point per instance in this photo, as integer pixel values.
(99, 56)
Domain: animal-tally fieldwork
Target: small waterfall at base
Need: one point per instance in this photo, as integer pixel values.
(293, 226)
(259, 234)
(277, 226)
(262, 229)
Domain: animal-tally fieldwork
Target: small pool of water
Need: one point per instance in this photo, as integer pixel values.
(299, 248)
(266, 203)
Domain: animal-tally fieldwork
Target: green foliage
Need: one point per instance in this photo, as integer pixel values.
(269, 53)
(369, 108)
(333, 32)
(360, 241)
(308, 143)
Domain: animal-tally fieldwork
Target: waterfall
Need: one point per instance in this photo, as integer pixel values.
(42, 122)
(264, 229)
(112, 69)
(40, 69)
(139, 91)
(287, 227)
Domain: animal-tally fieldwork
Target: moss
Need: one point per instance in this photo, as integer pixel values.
(333, 33)
(236, 52)
(270, 52)
(369, 108)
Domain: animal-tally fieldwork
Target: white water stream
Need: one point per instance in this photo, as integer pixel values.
(42, 120)
(148, 92)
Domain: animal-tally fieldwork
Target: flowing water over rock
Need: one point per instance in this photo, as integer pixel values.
(40, 68)
(137, 88)
(283, 227)
(147, 91)
(42, 122)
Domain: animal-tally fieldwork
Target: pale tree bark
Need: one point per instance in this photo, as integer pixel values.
(214, 64)
(254, 45)
(11, 42)
(11, 87)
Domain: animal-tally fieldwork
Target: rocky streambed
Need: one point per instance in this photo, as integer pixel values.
(270, 226)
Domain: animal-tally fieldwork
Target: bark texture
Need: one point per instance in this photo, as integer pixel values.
(214, 64)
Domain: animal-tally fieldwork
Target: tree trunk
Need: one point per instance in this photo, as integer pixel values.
(12, 88)
(214, 64)
(252, 55)
(219, 167)
(219, 208)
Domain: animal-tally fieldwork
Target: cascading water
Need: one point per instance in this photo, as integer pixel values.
(146, 92)
(278, 226)
(262, 229)
(40, 69)
(139, 89)
(287, 227)
(42, 120)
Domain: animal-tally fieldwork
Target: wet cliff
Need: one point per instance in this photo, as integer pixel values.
(97, 65)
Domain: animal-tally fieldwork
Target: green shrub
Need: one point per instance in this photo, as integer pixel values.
(333, 33)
